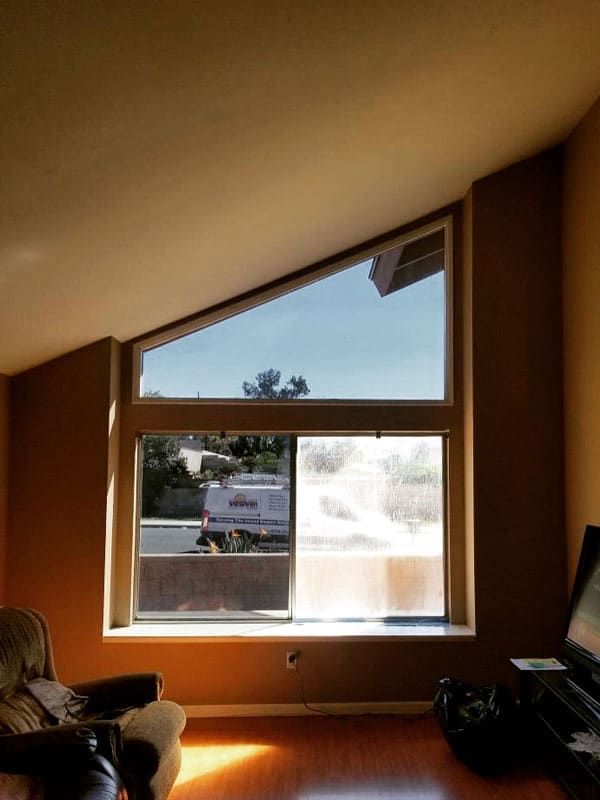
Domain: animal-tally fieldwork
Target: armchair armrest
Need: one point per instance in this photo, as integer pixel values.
(46, 750)
(121, 691)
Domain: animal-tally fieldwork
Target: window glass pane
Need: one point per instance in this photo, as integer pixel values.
(214, 526)
(338, 338)
(369, 527)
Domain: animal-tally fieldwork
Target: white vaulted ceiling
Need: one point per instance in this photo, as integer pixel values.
(159, 157)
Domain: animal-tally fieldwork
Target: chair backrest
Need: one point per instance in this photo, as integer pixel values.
(25, 649)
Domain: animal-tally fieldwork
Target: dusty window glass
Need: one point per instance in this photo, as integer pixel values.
(369, 527)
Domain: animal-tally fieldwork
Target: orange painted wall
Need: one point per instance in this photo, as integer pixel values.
(4, 423)
(581, 253)
(57, 508)
(59, 459)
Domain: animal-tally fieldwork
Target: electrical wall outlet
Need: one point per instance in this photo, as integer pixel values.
(291, 659)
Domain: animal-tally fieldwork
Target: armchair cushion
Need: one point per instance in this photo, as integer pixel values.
(21, 713)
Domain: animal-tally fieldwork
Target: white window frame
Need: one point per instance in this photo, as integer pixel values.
(239, 306)
(141, 415)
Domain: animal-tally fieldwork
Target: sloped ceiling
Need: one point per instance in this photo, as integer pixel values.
(158, 157)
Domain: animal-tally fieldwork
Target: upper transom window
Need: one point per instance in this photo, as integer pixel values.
(375, 330)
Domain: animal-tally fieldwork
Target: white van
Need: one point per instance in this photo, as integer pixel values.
(260, 511)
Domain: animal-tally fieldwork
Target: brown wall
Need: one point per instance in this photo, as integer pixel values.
(4, 416)
(518, 506)
(581, 253)
(60, 460)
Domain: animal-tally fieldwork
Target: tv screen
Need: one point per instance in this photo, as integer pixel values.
(584, 621)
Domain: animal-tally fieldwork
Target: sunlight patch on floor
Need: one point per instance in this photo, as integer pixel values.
(199, 760)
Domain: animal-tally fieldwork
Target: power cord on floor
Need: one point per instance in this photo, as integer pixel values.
(315, 710)
(303, 696)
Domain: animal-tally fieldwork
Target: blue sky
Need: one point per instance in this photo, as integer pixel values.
(346, 340)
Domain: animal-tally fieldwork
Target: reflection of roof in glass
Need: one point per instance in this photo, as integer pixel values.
(203, 459)
(408, 263)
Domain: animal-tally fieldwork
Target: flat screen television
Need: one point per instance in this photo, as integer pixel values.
(581, 647)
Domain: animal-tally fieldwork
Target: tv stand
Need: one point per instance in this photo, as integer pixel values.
(563, 723)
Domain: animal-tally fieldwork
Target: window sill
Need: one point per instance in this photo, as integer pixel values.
(175, 632)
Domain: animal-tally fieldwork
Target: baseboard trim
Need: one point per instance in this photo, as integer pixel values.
(299, 710)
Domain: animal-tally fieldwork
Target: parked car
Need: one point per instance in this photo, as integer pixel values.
(261, 512)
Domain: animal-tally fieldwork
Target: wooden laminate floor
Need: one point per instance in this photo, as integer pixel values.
(327, 758)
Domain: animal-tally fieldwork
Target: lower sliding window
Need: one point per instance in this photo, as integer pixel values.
(251, 527)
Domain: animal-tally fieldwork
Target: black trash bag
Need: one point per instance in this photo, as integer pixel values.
(480, 723)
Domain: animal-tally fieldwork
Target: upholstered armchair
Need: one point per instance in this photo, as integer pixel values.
(44, 725)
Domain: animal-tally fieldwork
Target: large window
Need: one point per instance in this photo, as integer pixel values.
(298, 450)
(217, 530)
